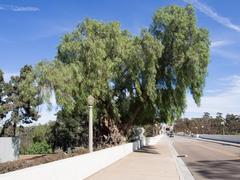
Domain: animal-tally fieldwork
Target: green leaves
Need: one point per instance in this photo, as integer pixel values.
(39, 148)
(2, 94)
(19, 98)
(134, 79)
(185, 58)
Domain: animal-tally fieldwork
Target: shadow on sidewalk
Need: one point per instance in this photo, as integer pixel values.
(221, 169)
(148, 149)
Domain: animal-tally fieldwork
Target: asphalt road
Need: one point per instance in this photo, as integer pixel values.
(208, 160)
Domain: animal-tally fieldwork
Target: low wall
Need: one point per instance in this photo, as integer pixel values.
(152, 140)
(9, 148)
(227, 138)
(78, 167)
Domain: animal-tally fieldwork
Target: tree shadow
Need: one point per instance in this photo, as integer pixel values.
(148, 149)
(219, 169)
(16, 147)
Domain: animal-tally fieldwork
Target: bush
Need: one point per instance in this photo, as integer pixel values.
(40, 148)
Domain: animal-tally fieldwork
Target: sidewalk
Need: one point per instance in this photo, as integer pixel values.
(150, 163)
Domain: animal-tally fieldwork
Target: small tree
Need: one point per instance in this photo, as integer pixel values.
(3, 93)
(4, 106)
(21, 97)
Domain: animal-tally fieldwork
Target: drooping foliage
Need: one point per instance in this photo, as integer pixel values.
(184, 61)
(134, 79)
(113, 66)
(135, 83)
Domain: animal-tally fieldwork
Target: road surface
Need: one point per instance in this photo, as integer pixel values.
(208, 160)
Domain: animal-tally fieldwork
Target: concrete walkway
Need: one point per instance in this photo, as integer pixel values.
(152, 162)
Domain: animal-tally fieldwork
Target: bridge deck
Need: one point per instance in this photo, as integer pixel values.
(152, 162)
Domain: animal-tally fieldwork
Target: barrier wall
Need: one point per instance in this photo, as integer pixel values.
(152, 140)
(227, 138)
(78, 167)
(9, 148)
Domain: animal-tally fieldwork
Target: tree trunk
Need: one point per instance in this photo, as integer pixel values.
(126, 127)
(14, 129)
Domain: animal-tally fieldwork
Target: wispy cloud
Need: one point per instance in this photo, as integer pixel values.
(220, 48)
(225, 100)
(4, 7)
(221, 43)
(213, 14)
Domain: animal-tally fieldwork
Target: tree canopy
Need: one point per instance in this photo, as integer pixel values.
(2, 102)
(135, 79)
(184, 61)
(20, 98)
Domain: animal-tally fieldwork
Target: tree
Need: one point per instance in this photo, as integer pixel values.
(232, 124)
(2, 94)
(135, 83)
(21, 97)
(206, 115)
(135, 80)
(219, 116)
(183, 64)
(3, 104)
(86, 63)
(69, 130)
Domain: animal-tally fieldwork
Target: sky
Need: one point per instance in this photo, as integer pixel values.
(31, 31)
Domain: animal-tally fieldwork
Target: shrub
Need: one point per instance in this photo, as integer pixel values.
(39, 148)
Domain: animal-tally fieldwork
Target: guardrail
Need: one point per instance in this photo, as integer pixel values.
(217, 137)
(78, 167)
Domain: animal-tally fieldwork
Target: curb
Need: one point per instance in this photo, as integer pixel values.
(184, 172)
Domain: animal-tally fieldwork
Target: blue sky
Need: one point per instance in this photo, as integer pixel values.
(31, 30)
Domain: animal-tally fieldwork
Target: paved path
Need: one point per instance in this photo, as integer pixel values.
(151, 163)
(209, 160)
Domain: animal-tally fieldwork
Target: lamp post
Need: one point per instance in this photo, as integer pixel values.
(90, 101)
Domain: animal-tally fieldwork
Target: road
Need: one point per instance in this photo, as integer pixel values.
(208, 160)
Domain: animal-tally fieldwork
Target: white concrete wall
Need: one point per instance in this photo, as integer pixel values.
(153, 140)
(9, 148)
(227, 138)
(78, 167)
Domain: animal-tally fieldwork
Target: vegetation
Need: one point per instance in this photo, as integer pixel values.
(19, 99)
(229, 125)
(40, 148)
(135, 79)
(33, 137)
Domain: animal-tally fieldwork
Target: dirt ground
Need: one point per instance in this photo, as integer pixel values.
(33, 160)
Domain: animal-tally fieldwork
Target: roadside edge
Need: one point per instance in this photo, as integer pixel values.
(184, 172)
